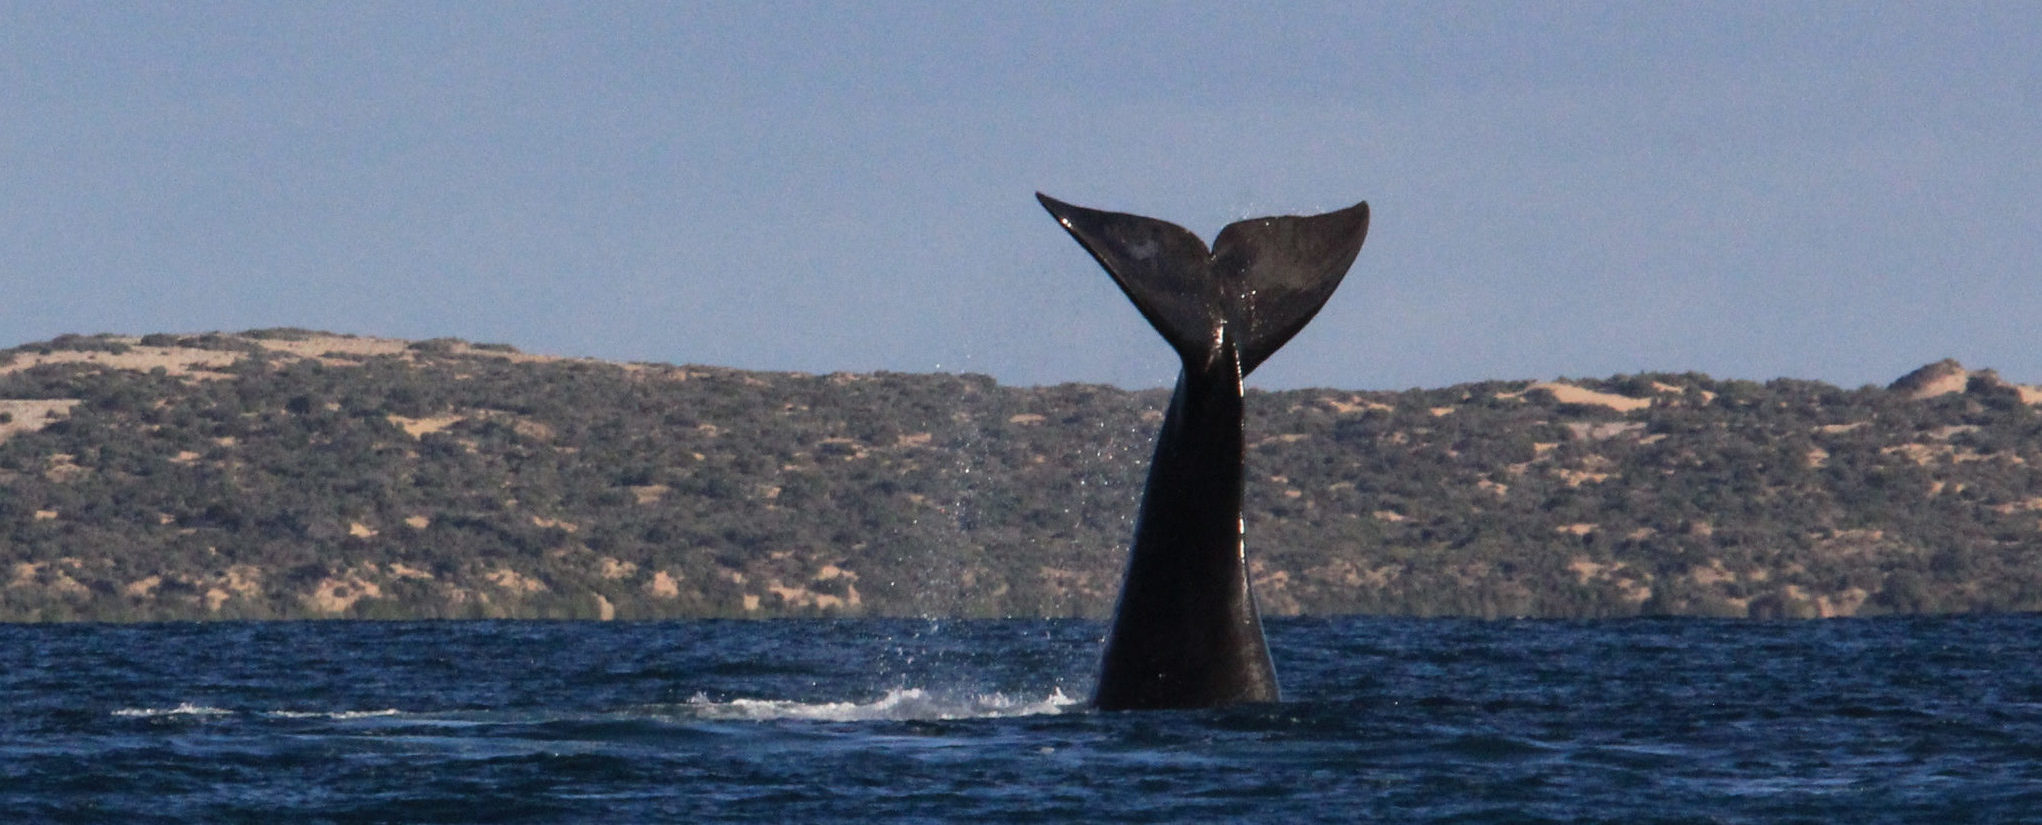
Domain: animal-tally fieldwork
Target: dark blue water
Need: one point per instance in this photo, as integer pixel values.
(1389, 720)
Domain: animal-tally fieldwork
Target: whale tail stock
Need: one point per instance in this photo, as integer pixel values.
(1261, 282)
(1186, 632)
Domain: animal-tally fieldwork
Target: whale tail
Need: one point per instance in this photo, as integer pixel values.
(1261, 282)
(1186, 632)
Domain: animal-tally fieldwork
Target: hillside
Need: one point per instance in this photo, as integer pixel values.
(293, 474)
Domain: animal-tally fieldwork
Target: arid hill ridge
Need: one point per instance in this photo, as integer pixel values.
(295, 474)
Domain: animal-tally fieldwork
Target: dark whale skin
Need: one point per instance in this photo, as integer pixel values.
(1186, 632)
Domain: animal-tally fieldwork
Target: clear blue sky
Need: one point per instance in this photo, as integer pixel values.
(1840, 192)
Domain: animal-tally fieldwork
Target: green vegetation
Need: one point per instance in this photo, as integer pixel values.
(287, 473)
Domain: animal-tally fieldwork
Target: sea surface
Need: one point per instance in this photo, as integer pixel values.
(1383, 720)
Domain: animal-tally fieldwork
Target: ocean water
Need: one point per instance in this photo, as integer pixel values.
(1384, 720)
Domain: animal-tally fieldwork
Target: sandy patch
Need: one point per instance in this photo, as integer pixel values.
(804, 597)
(1280, 438)
(1351, 404)
(243, 580)
(60, 581)
(320, 345)
(1576, 478)
(64, 467)
(614, 569)
(404, 571)
(1715, 573)
(1604, 430)
(663, 586)
(419, 427)
(1927, 455)
(512, 580)
(1940, 378)
(25, 573)
(196, 363)
(333, 596)
(27, 416)
(1632, 584)
(535, 430)
(178, 361)
(1262, 576)
(1281, 601)
(566, 526)
(317, 346)
(1570, 394)
(1843, 604)
(1701, 396)
(1586, 569)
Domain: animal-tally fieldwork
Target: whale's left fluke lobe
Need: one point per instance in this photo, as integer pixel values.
(1160, 265)
(1186, 632)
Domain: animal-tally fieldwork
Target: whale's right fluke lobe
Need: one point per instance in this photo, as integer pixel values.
(1263, 279)
(1186, 632)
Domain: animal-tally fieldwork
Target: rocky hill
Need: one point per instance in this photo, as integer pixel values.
(293, 474)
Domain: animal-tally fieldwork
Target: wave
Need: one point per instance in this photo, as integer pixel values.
(899, 704)
(330, 714)
(185, 709)
(189, 709)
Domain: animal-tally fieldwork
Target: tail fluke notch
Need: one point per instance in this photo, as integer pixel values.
(1262, 280)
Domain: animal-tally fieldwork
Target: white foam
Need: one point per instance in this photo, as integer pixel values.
(189, 709)
(185, 709)
(900, 704)
(330, 714)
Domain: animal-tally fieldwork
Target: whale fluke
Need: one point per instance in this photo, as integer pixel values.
(1186, 632)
